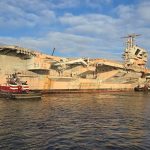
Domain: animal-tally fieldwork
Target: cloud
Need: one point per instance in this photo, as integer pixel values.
(127, 19)
(97, 3)
(16, 15)
(90, 24)
(144, 11)
(67, 45)
(61, 4)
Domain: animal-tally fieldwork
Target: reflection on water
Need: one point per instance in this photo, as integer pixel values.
(77, 121)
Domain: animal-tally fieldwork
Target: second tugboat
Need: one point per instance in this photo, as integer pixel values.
(17, 89)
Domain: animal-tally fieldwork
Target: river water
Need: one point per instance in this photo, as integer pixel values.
(107, 121)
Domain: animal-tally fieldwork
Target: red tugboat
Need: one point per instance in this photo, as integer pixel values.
(17, 89)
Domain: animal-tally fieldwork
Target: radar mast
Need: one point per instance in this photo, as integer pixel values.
(130, 42)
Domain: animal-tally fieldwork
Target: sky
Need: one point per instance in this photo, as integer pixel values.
(76, 28)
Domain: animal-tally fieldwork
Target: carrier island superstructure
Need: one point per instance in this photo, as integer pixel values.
(56, 74)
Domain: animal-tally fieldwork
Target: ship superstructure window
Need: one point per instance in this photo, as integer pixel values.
(137, 52)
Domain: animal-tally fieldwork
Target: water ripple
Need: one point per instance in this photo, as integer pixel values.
(115, 121)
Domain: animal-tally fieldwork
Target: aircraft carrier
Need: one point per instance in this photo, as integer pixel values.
(54, 74)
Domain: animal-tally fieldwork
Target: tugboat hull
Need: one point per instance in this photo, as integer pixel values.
(141, 89)
(17, 90)
(21, 96)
